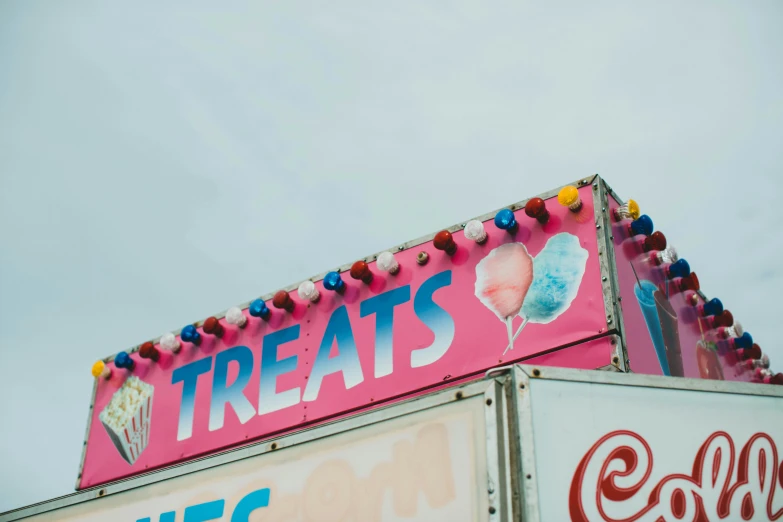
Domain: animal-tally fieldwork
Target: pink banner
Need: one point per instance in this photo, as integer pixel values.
(397, 335)
(668, 330)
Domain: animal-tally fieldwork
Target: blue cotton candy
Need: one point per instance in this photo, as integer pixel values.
(557, 273)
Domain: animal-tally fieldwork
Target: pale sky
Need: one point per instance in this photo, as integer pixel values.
(160, 163)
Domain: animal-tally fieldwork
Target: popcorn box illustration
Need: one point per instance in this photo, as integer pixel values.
(127, 418)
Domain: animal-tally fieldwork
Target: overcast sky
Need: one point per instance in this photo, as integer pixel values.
(160, 163)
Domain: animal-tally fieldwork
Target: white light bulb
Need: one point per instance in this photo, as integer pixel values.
(388, 263)
(667, 256)
(236, 317)
(736, 330)
(474, 230)
(169, 342)
(308, 291)
(764, 361)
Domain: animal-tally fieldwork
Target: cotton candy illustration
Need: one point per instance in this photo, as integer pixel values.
(557, 273)
(503, 279)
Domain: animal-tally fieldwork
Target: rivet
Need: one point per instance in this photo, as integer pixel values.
(609, 321)
(491, 510)
(603, 209)
(611, 237)
(598, 225)
(489, 402)
(603, 279)
(401, 248)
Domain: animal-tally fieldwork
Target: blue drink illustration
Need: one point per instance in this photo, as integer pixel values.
(645, 295)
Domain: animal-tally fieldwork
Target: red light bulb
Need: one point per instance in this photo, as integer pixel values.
(689, 282)
(444, 241)
(148, 351)
(725, 318)
(212, 326)
(361, 272)
(283, 301)
(655, 241)
(536, 208)
(776, 379)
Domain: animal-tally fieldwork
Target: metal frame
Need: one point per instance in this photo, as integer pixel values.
(608, 263)
(497, 450)
(582, 182)
(522, 380)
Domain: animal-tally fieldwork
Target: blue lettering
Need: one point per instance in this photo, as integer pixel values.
(252, 501)
(222, 394)
(383, 307)
(169, 516)
(206, 511)
(269, 399)
(188, 375)
(436, 318)
(346, 361)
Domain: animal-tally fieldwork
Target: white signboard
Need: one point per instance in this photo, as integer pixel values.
(625, 453)
(426, 466)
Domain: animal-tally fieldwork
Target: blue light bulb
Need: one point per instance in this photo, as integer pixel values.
(744, 341)
(679, 268)
(505, 220)
(334, 282)
(189, 334)
(258, 308)
(642, 226)
(713, 307)
(123, 360)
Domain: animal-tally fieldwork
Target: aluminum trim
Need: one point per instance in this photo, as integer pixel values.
(497, 453)
(612, 298)
(87, 433)
(599, 214)
(650, 381)
(371, 258)
(527, 478)
(466, 392)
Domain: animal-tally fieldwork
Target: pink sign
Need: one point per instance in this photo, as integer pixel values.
(511, 298)
(668, 329)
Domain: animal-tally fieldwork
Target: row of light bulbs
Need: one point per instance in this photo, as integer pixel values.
(718, 320)
(360, 270)
(638, 225)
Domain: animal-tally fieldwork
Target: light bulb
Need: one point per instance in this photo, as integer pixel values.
(422, 258)
(360, 271)
(743, 341)
(754, 352)
(760, 374)
(641, 226)
(445, 242)
(283, 301)
(123, 360)
(168, 341)
(569, 197)
(333, 281)
(712, 307)
(505, 220)
(258, 308)
(148, 351)
(100, 369)
(628, 210)
(665, 256)
(387, 263)
(727, 332)
(536, 209)
(776, 379)
(189, 334)
(308, 292)
(725, 318)
(679, 268)
(474, 230)
(212, 326)
(689, 282)
(235, 316)
(655, 241)
(763, 361)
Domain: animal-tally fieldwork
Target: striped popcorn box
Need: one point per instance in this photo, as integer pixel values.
(127, 418)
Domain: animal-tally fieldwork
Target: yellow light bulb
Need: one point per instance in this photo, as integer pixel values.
(633, 209)
(98, 369)
(569, 197)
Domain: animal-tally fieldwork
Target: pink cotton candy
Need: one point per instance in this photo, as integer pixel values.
(503, 279)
